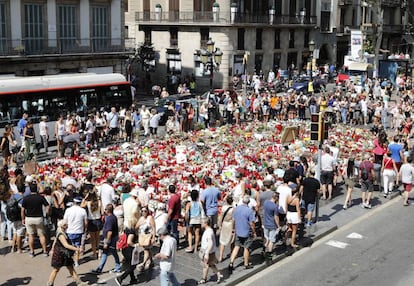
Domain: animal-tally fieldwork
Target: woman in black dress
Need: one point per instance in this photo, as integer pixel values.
(128, 126)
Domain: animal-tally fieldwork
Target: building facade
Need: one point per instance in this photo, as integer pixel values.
(40, 37)
(274, 34)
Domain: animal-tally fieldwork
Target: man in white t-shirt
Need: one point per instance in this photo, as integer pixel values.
(107, 193)
(131, 206)
(284, 192)
(167, 258)
(43, 132)
(407, 175)
(327, 172)
(77, 225)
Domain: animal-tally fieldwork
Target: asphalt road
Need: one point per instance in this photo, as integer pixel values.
(376, 249)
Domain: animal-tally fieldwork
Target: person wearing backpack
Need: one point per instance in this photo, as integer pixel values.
(367, 178)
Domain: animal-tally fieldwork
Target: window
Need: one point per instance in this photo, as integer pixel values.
(292, 8)
(173, 62)
(147, 36)
(240, 39)
(100, 28)
(258, 60)
(276, 61)
(33, 28)
(291, 39)
(325, 15)
(277, 39)
(259, 40)
(68, 27)
(204, 35)
(3, 31)
(306, 39)
(278, 8)
(173, 37)
(292, 60)
(126, 8)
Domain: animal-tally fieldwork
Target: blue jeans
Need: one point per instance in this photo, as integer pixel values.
(104, 257)
(312, 109)
(344, 115)
(173, 227)
(5, 223)
(166, 277)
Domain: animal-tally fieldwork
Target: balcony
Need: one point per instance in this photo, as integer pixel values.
(40, 46)
(209, 17)
(391, 3)
(345, 2)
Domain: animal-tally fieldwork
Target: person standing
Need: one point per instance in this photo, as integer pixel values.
(244, 226)
(90, 131)
(208, 249)
(174, 211)
(367, 178)
(93, 206)
(348, 174)
(210, 198)
(327, 173)
(309, 189)
(77, 225)
(270, 223)
(110, 237)
(112, 121)
(60, 132)
(43, 132)
(396, 150)
(167, 258)
(29, 139)
(21, 125)
(145, 119)
(146, 225)
(293, 216)
(59, 259)
(32, 217)
(106, 192)
(407, 175)
(5, 146)
(193, 212)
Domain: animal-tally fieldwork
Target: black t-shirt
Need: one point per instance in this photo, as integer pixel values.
(111, 224)
(310, 189)
(291, 175)
(33, 204)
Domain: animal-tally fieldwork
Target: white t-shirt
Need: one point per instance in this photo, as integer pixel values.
(208, 236)
(42, 128)
(168, 248)
(107, 194)
(407, 173)
(284, 192)
(160, 219)
(76, 216)
(335, 152)
(327, 162)
(130, 207)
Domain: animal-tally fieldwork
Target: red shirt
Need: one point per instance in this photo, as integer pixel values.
(174, 204)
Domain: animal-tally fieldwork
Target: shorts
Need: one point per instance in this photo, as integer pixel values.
(19, 229)
(349, 182)
(292, 218)
(326, 177)
(407, 187)
(113, 131)
(308, 206)
(270, 234)
(367, 186)
(245, 242)
(35, 225)
(94, 225)
(212, 259)
(213, 220)
(75, 239)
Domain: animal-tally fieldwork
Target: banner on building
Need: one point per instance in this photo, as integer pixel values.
(356, 43)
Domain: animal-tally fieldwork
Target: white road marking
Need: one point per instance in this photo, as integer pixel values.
(355, 235)
(338, 244)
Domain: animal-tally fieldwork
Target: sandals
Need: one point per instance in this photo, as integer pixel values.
(202, 281)
(219, 277)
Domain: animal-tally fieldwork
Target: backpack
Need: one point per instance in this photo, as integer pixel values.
(122, 242)
(13, 210)
(364, 174)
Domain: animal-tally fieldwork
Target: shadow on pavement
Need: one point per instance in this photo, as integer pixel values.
(17, 281)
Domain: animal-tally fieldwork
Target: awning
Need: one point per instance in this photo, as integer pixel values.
(359, 66)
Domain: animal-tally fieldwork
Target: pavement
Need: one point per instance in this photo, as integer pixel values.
(20, 269)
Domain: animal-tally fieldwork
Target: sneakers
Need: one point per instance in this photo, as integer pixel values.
(114, 271)
(366, 206)
(45, 254)
(309, 223)
(31, 254)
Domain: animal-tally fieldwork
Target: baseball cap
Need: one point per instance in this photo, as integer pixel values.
(77, 199)
(162, 230)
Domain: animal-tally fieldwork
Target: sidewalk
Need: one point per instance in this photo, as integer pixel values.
(19, 269)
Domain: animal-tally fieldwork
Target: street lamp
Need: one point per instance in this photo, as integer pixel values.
(311, 50)
(211, 59)
(146, 54)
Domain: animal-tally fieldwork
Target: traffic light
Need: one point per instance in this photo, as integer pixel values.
(327, 123)
(315, 122)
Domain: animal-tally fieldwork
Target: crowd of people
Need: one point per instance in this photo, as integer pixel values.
(272, 201)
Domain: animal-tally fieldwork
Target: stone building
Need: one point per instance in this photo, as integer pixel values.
(41, 37)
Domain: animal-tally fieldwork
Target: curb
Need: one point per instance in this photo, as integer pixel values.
(265, 265)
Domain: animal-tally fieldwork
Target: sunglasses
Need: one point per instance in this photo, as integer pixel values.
(144, 210)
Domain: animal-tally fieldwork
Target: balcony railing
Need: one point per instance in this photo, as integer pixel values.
(40, 46)
(391, 3)
(209, 17)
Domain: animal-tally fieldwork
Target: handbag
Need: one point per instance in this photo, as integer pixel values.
(144, 239)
